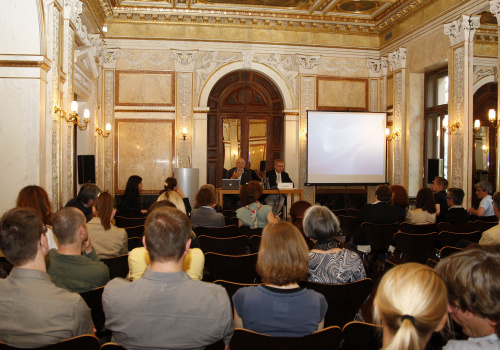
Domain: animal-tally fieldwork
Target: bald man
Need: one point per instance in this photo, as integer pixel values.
(244, 175)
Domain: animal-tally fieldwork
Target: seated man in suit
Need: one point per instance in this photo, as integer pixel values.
(277, 176)
(492, 236)
(244, 175)
(456, 214)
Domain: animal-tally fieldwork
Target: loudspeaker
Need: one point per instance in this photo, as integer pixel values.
(86, 169)
(434, 168)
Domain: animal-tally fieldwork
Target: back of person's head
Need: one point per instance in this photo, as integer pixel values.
(251, 192)
(20, 231)
(400, 196)
(425, 200)
(283, 255)
(209, 186)
(175, 198)
(320, 223)
(160, 204)
(66, 223)
(457, 195)
(132, 187)
(169, 184)
(441, 181)
(88, 192)
(166, 232)
(297, 211)
(411, 303)
(205, 197)
(472, 277)
(383, 193)
(36, 197)
(496, 200)
(485, 186)
(104, 206)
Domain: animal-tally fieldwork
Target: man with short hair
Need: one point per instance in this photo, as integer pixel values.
(439, 186)
(484, 189)
(275, 177)
(472, 277)
(67, 267)
(34, 312)
(85, 199)
(492, 236)
(456, 214)
(241, 173)
(166, 309)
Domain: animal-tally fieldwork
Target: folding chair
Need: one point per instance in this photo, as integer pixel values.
(415, 247)
(246, 230)
(118, 266)
(220, 232)
(232, 287)
(481, 226)
(234, 268)
(136, 231)
(228, 246)
(254, 243)
(93, 298)
(451, 239)
(462, 228)
(361, 335)
(349, 226)
(417, 229)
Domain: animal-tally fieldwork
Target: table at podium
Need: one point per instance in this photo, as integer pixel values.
(286, 192)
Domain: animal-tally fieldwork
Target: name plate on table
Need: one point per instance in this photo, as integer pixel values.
(285, 185)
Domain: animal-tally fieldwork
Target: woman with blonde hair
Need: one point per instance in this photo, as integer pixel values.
(169, 186)
(280, 307)
(411, 303)
(108, 240)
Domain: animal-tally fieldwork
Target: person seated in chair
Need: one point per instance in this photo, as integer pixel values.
(456, 214)
(204, 213)
(275, 177)
(241, 173)
(492, 236)
(484, 189)
(85, 200)
(439, 186)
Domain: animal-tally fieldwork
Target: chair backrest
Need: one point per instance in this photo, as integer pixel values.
(447, 251)
(415, 247)
(111, 346)
(325, 339)
(229, 213)
(136, 231)
(351, 212)
(254, 243)
(93, 298)
(446, 226)
(234, 268)
(221, 232)
(451, 238)
(338, 212)
(481, 226)
(246, 230)
(81, 342)
(491, 218)
(233, 221)
(349, 226)
(134, 242)
(123, 221)
(379, 235)
(361, 335)
(228, 246)
(344, 300)
(232, 287)
(118, 266)
(417, 229)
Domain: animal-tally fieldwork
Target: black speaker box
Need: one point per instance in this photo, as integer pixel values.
(86, 169)
(434, 168)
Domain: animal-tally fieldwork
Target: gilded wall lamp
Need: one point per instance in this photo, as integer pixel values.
(72, 117)
(477, 126)
(493, 118)
(392, 136)
(99, 131)
(453, 127)
(184, 133)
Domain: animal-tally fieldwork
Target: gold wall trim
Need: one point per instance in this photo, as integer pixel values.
(26, 64)
(149, 110)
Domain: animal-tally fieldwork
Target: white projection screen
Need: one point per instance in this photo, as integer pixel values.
(346, 148)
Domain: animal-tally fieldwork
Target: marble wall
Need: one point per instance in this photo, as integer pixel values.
(144, 88)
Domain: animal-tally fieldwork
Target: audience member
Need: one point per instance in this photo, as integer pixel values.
(211, 187)
(327, 262)
(456, 214)
(67, 267)
(85, 200)
(276, 176)
(472, 277)
(492, 236)
(130, 203)
(484, 189)
(410, 304)
(400, 201)
(244, 175)
(34, 312)
(166, 309)
(254, 214)
(439, 186)
(36, 198)
(280, 307)
(425, 211)
(170, 184)
(297, 211)
(108, 240)
(204, 213)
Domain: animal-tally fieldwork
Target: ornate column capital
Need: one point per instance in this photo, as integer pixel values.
(495, 7)
(397, 59)
(377, 68)
(462, 30)
(308, 64)
(108, 59)
(184, 60)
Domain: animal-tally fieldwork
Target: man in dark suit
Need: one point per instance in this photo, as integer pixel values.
(244, 175)
(277, 176)
(455, 214)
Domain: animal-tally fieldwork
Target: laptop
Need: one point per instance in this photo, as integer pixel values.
(230, 184)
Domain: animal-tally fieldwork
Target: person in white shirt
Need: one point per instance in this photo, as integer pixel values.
(484, 189)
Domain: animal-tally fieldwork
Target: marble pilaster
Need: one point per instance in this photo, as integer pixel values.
(200, 142)
(306, 102)
(495, 9)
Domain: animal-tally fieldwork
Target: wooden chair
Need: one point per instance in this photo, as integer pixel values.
(325, 339)
(136, 231)
(232, 287)
(234, 268)
(254, 243)
(491, 218)
(118, 266)
(93, 298)
(338, 212)
(344, 300)
(458, 228)
(229, 213)
(450, 239)
(415, 247)
(349, 226)
(351, 212)
(379, 236)
(220, 232)
(246, 230)
(111, 346)
(233, 221)
(481, 226)
(81, 342)
(447, 251)
(134, 242)
(124, 221)
(417, 229)
(361, 335)
(228, 246)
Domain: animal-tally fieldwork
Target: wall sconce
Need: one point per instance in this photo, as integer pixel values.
(485, 149)
(72, 117)
(99, 131)
(184, 133)
(493, 118)
(392, 136)
(477, 126)
(453, 127)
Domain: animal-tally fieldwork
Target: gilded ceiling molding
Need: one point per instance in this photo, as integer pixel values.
(462, 30)
(397, 59)
(308, 64)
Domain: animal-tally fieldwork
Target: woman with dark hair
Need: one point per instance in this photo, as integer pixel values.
(297, 211)
(327, 262)
(108, 240)
(400, 201)
(130, 199)
(280, 307)
(36, 197)
(170, 184)
(425, 212)
(254, 214)
(204, 213)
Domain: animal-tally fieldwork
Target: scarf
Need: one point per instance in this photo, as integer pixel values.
(255, 224)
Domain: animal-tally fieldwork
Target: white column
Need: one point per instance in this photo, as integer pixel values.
(200, 142)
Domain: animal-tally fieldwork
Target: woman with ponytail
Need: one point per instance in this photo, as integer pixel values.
(410, 304)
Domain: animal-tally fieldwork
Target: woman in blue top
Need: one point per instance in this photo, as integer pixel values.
(280, 307)
(254, 214)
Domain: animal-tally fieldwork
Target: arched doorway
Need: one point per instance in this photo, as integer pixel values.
(245, 119)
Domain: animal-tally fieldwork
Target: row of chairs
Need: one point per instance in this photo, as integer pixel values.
(238, 245)
(227, 231)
